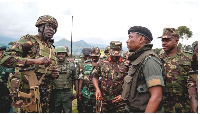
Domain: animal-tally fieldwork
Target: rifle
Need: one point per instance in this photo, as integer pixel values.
(98, 104)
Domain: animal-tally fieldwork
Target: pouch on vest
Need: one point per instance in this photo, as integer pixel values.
(126, 87)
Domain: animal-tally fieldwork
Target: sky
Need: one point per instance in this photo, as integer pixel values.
(100, 21)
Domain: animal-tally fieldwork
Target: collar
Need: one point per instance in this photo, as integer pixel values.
(134, 55)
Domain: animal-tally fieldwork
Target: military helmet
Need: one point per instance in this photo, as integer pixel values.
(115, 48)
(46, 19)
(107, 49)
(86, 51)
(95, 51)
(61, 49)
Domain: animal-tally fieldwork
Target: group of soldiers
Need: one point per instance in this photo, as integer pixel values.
(42, 78)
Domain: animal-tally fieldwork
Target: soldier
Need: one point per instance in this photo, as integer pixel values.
(106, 52)
(5, 99)
(63, 86)
(125, 60)
(85, 85)
(112, 74)
(142, 88)
(177, 65)
(33, 57)
(193, 77)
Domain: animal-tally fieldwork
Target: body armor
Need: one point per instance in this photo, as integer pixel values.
(65, 79)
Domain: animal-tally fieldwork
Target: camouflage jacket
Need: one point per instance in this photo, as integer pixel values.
(112, 74)
(176, 92)
(28, 47)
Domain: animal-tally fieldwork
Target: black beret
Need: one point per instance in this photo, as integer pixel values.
(86, 51)
(141, 31)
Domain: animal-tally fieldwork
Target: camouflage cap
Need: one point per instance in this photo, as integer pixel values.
(115, 48)
(46, 19)
(107, 49)
(95, 51)
(170, 33)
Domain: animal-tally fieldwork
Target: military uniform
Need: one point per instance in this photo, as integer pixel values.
(88, 98)
(30, 47)
(5, 99)
(175, 97)
(63, 87)
(112, 74)
(139, 79)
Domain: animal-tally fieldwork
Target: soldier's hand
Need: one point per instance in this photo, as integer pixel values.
(98, 94)
(79, 95)
(117, 99)
(43, 61)
(55, 72)
(194, 105)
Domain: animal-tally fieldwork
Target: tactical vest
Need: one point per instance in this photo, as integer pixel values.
(135, 90)
(45, 52)
(65, 79)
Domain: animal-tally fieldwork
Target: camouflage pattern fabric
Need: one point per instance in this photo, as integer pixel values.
(112, 74)
(170, 33)
(46, 19)
(115, 48)
(175, 97)
(88, 97)
(5, 99)
(95, 51)
(28, 46)
(111, 84)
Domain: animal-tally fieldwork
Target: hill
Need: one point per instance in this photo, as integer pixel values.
(79, 45)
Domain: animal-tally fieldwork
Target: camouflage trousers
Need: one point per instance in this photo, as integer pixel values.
(89, 104)
(5, 99)
(109, 107)
(176, 104)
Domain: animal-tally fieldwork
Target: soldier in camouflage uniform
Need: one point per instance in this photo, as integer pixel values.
(106, 52)
(177, 65)
(142, 88)
(86, 87)
(112, 73)
(193, 77)
(33, 57)
(63, 86)
(5, 99)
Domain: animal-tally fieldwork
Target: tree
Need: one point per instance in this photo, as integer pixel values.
(184, 32)
(180, 45)
(11, 43)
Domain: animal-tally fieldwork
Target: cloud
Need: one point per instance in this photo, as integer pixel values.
(100, 21)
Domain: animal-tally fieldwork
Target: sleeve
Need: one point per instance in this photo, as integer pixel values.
(14, 55)
(153, 72)
(96, 71)
(74, 74)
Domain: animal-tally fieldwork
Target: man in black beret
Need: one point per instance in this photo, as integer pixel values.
(143, 85)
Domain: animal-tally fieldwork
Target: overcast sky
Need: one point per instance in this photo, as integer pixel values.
(100, 21)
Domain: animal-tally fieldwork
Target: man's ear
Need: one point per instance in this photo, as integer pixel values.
(142, 39)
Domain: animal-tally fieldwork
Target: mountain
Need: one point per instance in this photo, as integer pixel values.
(79, 45)
(76, 46)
